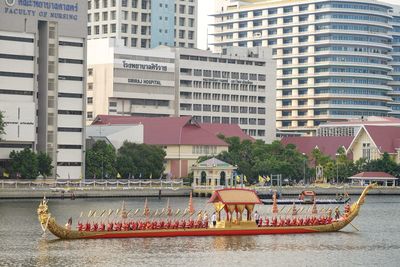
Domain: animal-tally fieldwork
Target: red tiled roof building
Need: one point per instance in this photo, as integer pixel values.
(183, 138)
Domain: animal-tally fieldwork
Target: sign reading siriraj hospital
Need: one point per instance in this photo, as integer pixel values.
(147, 82)
(48, 9)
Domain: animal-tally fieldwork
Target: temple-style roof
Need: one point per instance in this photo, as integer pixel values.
(214, 162)
(235, 196)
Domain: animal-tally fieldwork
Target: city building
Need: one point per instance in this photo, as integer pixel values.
(144, 23)
(395, 63)
(237, 87)
(351, 127)
(334, 58)
(369, 142)
(42, 81)
(183, 139)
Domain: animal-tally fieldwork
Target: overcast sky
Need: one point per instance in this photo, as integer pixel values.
(206, 7)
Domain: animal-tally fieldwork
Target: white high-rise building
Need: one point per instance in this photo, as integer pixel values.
(237, 87)
(42, 77)
(144, 23)
(334, 58)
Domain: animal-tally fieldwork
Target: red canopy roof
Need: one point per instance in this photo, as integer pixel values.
(373, 176)
(235, 196)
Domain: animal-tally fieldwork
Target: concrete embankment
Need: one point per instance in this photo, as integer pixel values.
(35, 193)
(92, 193)
(295, 191)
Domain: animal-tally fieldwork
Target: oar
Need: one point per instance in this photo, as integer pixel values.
(102, 213)
(177, 212)
(354, 226)
(127, 214)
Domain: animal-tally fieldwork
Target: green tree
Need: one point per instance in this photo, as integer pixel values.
(44, 164)
(100, 161)
(255, 158)
(384, 164)
(2, 124)
(24, 164)
(140, 160)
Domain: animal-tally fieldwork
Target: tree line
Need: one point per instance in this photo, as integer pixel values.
(256, 158)
(129, 161)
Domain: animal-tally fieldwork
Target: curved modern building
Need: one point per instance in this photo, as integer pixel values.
(333, 57)
(395, 73)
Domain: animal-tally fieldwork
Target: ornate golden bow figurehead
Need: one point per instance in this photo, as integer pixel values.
(43, 211)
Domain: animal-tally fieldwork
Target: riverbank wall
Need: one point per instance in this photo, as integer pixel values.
(38, 193)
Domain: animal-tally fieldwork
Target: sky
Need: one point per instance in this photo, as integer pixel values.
(206, 7)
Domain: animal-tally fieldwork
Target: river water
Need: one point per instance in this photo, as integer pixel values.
(21, 243)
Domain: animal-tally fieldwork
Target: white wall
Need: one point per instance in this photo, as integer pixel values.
(20, 121)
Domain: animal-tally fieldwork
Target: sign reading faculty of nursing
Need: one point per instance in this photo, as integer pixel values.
(48, 9)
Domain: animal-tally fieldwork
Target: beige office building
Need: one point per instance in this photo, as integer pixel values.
(237, 87)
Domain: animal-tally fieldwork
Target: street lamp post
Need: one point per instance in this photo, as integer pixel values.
(304, 168)
(337, 168)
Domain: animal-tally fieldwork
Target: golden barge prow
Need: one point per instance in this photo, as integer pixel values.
(230, 200)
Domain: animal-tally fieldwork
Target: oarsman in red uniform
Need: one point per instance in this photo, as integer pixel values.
(266, 221)
(102, 226)
(260, 222)
(87, 228)
(95, 227)
(80, 226)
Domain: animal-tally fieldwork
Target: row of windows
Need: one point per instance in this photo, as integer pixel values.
(16, 74)
(150, 102)
(74, 44)
(351, 6)
(218, 108)
(349, 80)
(223, 85)
(69, 164)
(15, 92)
(18, 57)
(69, 146)
(70, 78)
(357, 113)
(223, 97)
(351, 102)
(227, 120)
(351, 27)
(352, 91)
(16, 39)
(204, 150)
(350, 48)
(70, 112)
(70, 61)
(351, 59)
(351, 16)
(113, 3)
(224, 74)
(351, 70)
(66, 129)
(70, 95)
(222, 60)
(11, 145)
(347, 37)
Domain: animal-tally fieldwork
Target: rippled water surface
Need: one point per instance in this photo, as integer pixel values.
(21, 243)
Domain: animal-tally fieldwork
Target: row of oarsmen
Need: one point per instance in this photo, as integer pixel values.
(294, 221)
(141, 225)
